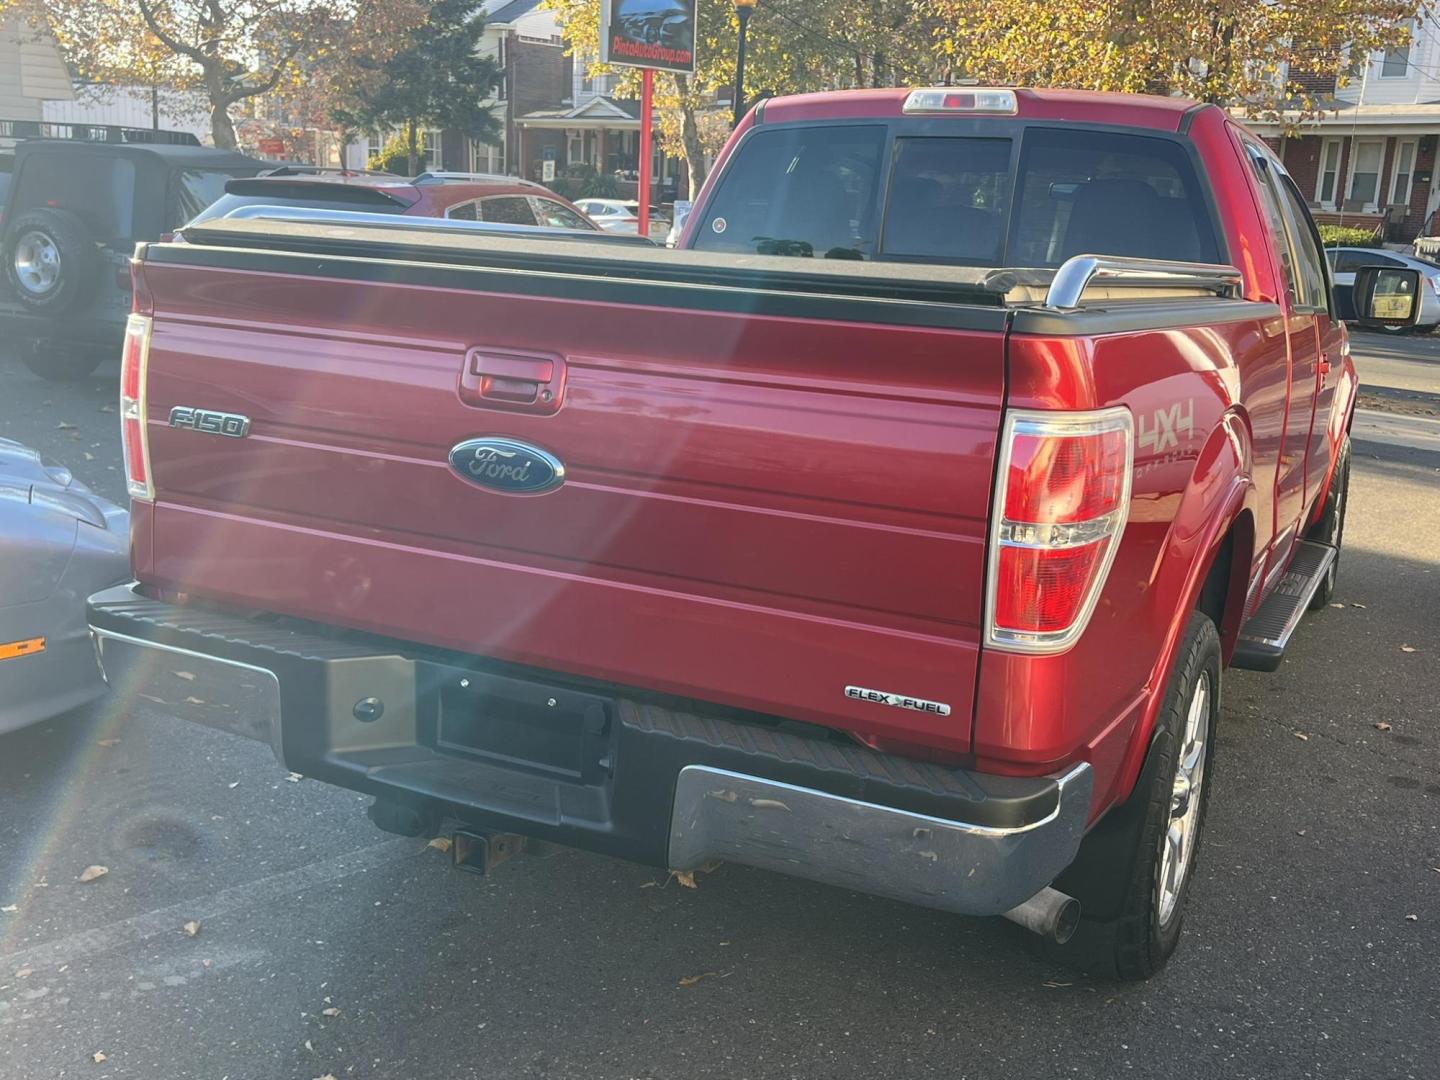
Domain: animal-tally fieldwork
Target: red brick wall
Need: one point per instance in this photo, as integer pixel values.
(1302, 160)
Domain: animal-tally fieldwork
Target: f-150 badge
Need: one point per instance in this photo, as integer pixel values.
(210, 422)
(507, 465)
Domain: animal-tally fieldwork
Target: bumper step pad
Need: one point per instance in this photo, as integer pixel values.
(1263, 638)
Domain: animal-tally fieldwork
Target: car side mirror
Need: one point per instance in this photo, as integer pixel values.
(1387, 296)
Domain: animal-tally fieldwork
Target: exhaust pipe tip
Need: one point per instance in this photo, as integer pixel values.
(1049, 913)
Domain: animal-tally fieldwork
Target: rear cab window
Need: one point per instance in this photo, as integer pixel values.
(1026, 196)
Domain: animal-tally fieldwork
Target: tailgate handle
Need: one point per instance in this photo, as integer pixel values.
(514, 381)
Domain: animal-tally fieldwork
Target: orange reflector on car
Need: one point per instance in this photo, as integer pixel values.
(10, 650)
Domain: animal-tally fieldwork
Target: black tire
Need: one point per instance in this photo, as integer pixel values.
(51, 261)
(1393, 329)
(61, 363)
(1128, 929)
(1330, 528)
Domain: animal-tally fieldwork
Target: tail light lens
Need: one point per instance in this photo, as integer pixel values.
(136, 443)
(1064, 493)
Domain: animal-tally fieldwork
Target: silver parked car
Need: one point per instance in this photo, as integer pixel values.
(61, 542)
(1344, 261)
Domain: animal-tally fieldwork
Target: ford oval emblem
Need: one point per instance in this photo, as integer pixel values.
(507, 465)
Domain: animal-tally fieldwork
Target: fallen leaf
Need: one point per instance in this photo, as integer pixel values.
(24, 973)
(90, 873)
(1301, 736)
(332, 1011)
(1354, 604)
(89, 456)
(235, 785)
(1052, 984)
(10, 909)
(1407, 648)
(294, 778)
(1337, 605)
(327, 1076)
(64, 425)
(691, 980)
(98, 1056)
(108, 742)
(187, 676)
(1381, 726)
(193, 701)
(207, 963)
(685, 878)
(191, 928)
(1412, 918)
(1300, 832)
(440, 843)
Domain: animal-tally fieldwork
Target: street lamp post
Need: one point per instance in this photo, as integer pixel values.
(743, 8)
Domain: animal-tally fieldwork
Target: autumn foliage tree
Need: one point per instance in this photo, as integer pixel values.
(230, 49)
(1244, 53)
(434, 77)
(792, 45)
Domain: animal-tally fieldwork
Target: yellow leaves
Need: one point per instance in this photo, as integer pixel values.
(191, 928)
(92, 873)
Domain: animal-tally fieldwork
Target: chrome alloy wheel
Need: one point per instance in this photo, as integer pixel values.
(37, 263)
(1178, 844)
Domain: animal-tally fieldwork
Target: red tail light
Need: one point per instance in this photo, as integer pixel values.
(136, 442)
(1064, 483)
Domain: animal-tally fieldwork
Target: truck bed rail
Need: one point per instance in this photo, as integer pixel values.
(1081, 271)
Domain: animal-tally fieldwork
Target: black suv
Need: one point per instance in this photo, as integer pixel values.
(70, 216)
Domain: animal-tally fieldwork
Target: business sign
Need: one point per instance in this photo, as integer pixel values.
(648, 34)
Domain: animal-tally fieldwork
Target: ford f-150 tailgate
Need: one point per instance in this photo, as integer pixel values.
(773, 481)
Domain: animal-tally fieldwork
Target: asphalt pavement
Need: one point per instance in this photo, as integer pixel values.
(326, 948)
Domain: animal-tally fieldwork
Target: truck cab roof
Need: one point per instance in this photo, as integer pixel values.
(1082, 106)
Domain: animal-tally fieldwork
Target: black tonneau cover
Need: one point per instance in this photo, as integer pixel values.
(472, 247)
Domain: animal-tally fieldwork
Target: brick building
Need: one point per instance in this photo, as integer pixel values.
(1371, 161)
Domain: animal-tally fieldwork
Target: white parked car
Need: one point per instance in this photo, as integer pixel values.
(1344, 261)
(620, 216)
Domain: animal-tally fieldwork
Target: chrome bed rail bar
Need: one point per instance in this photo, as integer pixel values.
(1076, 274)
(325, 216)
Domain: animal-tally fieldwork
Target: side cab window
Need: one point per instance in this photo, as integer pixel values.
(1302, 263)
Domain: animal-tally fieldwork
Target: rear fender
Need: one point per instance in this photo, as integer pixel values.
(1220, 501)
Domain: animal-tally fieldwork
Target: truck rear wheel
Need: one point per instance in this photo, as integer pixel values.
(1133, 873)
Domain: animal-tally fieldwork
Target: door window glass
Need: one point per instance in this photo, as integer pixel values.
(559, 216)
(1309, 255)
(507, 209)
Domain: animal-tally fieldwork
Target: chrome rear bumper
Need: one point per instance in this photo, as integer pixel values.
(950, 865)
(635, 780)
(217, 693)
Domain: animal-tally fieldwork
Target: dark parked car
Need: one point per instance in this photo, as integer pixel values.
(70, 215)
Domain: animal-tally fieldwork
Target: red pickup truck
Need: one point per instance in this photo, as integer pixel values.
(892, 532)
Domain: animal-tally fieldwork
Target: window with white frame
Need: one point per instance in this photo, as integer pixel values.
(1402, 173)
(1366, 158)
(430, 151)
(1396, 61)
(1328, 175)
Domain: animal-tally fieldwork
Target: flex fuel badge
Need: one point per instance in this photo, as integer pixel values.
(897, 701)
